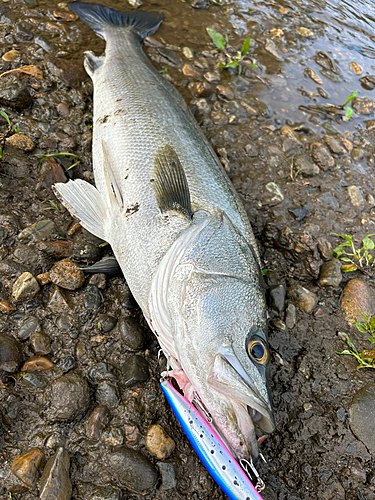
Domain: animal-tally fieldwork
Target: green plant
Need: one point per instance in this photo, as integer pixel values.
(366, 359)
(4, 115)
(234, 60)
(53, 205)
(348, 109)
(53, 155)
(358, 259)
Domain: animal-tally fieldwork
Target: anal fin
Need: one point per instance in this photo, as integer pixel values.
(170, 183)
(85, 202)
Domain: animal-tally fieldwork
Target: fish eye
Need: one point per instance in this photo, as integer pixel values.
(258, 351)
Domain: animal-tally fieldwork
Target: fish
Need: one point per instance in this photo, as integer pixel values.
(178, 230)
(212, 451)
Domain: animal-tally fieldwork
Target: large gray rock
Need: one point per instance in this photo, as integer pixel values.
(55, 481)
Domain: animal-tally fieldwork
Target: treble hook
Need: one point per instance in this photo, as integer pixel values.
(245, 465)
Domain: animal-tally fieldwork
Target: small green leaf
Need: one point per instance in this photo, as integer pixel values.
(265, 271)
(226, 37)
(367, 243)
(232, 64)
(245, 46)
(348, 113)
(99, 326)
(4, 115)
(217, 38)
(344, 352)
(363, 314)
(346, 259)
(52, 155)
(351, 97)
(346, 236)
(349, 269)
(360, 327)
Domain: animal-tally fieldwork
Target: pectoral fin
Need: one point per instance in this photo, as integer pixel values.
(106, 265)
(170, 183)
(85, 202)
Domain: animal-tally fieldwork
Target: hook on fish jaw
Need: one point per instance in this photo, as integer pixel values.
(198, 403)
(249, 467)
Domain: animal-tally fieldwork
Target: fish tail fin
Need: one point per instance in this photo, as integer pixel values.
(85, 203)
(99, 18)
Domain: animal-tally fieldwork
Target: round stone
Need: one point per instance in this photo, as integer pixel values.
(67, 274)
(361, 416)
(158, 443)
(67, 397)
(10, 353)
(25, 287)
(357, 296)
(26, 465)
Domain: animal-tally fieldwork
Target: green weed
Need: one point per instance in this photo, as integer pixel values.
(366, 359)
(53, 155)
(53, 205)
(233, 61)
(355, 259)
(348, 109)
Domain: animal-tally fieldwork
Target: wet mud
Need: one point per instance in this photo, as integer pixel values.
(79, 368)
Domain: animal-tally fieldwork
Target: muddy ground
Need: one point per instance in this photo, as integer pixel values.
(302, 172)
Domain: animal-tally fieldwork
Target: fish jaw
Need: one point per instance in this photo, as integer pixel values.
(249, 414)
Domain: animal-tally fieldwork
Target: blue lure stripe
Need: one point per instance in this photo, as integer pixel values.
(214, 454)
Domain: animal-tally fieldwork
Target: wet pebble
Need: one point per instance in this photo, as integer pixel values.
(11, 56)
(135, 371)
(200, 89)
(356, 196)
(361, 416)
(277, 296)
(106, 394)
(35, 379)
(328, 200)
(55, 482)
(303, 298)
(131, 333)
(188, 53)
(96, 422)
(168, 475)
(67, 397)
(275, 193)
(305, 166)
(40, 343)
(363, 105)
(330, 75)
(114, 436)
(212, 77)
(171, 56)
(189, 70)
(60, 301)
(290, 316)
(93, 297)
(252, 150)
(14, 94)
(225, 92)
(29, 326)
(43, 279)
(340, 414)
(99, 280)
(334, 145)
(37, 231)
(271, 48)
(321, 156)
(26, 466)
(106, 323)
(107, 493)
(368, 82)
(67, 364)
(314, 77)
(357, 296)
(330, 274)
(37, 364)
(130, 469)
(63, 109)
(66, 274)
(305, 32)
(158, 443)
(101, 371)
(21, 141)
(57, 249)
(25, 287)
(87, 252)
(10, 353)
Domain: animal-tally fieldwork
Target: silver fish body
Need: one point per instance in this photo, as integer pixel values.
(193, 266)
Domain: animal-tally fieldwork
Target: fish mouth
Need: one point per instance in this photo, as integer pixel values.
(250, 411)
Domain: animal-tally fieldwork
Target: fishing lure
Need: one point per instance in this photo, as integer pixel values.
(214, 454)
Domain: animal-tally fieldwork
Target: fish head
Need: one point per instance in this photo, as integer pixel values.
(239, 374)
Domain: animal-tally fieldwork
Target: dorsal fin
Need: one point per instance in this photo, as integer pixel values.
(170, 183)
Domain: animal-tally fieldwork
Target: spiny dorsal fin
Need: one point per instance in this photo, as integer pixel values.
(170, 184)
